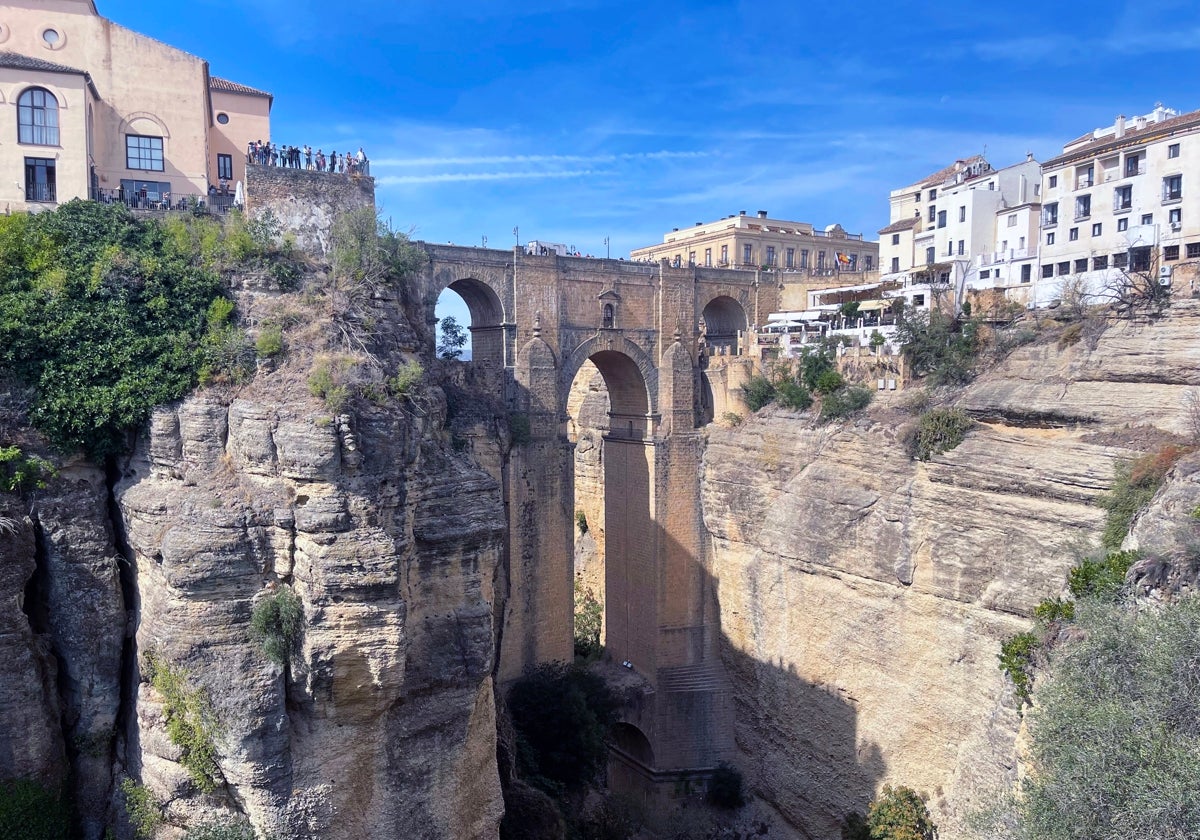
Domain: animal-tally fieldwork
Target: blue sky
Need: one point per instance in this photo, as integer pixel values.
(580, 119)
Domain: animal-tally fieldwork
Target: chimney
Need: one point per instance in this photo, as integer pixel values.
(698, 224)
(741, 212)
(762, 214)
(1120, 126)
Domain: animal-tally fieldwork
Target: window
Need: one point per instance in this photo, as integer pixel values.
(791, 258)
(1173, 150)
(1022, 243)
(225, 167)
(1139, 258)
(1175, 216)
(1012, 219)
(51, 37)
(708, 257)
(1050, 215)
(724, 255)
(40, 181)
(986, 274)
(820, 259)
(895, 239)
(932, 214)
(747, 255)
(1050, 238)
(941, 218)
(1047, 271)
(1083, 207)
(1123, 197)
(37, 118)
(609, 318)
(917, 196)
(1133, 165)
(1081, 265)
(930, 256)
(961, 246)
(918, 300)
(1193, 250)
(1073, 234)
(804, 258)
(868, 263)
(691, 258)
(1120, 260)
(1085, 176)
(223, 118)
(1053, 182)
(771, 255)
(1173, 188)
(1099, 263)
(1171, 252)
(1097, 229)
(1064, 268)
(1148, 219)
(895, 264)
(1026, 273)
(962, 214)
(1122, 225)
(143, 152)
(950, 248)
(933, 194)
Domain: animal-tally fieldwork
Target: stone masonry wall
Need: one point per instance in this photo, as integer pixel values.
(306, 203)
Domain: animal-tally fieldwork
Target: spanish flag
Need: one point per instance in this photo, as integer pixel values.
(843, 258)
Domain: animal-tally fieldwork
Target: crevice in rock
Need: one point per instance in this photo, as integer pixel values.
(1028, 419)
(127, 575)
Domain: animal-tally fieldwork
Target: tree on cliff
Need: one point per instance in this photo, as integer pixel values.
(451, 338)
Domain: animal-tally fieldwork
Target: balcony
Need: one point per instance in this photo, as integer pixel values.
(145, 200)
(1084, 182)
(42, 193)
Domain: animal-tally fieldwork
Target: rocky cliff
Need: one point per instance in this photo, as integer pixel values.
(380, 721)
(864, 595)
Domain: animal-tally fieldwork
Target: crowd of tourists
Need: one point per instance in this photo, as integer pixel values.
(303, 157)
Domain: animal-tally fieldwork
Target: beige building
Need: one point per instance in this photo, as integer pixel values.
(1121, 198)
(752, 242)
(92, 109)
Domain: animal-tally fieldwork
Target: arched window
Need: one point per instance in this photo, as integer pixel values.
(610, 316)
(37, 118)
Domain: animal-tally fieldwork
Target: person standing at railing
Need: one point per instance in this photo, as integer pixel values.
(320, 161)
(308, 162)
(361, 160)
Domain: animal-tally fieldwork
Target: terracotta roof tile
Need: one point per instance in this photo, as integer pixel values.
(1133, 135)
(942, 175)
(903, 224)
(16, 61)
(217, 83)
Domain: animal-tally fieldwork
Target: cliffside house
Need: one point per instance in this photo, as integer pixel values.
(94, 110)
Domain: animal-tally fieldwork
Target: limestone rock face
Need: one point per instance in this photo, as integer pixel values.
(863, 595)
(383, 723)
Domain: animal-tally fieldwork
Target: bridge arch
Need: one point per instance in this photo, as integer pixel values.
(629, 374)
(487, 320)
(725, 320)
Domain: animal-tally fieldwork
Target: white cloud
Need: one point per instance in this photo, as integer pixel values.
(449, 177)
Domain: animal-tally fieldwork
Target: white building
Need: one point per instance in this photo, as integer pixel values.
(1121, 198)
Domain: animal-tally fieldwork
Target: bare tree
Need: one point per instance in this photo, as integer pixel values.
(1136, 289)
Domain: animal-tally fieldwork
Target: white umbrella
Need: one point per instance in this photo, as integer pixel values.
(239, 195)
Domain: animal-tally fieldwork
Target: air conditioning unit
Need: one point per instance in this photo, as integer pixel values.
(1164, 275)
(1176, 225)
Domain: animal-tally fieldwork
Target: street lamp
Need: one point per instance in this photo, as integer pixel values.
(607, 252)
(485, 241)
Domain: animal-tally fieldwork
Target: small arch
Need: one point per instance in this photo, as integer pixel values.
(633, 742)
(609, 317)
(724, 320)
(37, 117)
(487, 320)
(145, 123)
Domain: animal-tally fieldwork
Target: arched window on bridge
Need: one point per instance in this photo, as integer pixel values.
(610, 316)
(476, 333)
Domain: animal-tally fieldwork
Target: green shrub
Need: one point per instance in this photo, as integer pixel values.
(1054, 609)
(269, 342)
(725, 788)
(1134, 485)
(102, 316)
(900, 814)
(1101, 578)
(145, 814)
(20, 473)
(229, 829)
(519, 428)
(581, 521)
(407, 377)
(855, 827)
(938, 430)
(791, 394)
(562, 716)
(1114, 746)
(938, 345)
(191, 722)
(326, 381)
(589, 621)
(758, 392)
(276, 623)
(732, 418)
(31, 812)
(1016, 660)
(814, 362)
(828, 382)
(845, 402)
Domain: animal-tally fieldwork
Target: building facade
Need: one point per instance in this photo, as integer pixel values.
(1121, 198)
(756, 242)
(92, 109)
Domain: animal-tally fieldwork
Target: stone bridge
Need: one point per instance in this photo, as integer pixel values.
(540, 319)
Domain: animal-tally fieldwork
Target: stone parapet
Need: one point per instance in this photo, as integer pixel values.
(306, 203)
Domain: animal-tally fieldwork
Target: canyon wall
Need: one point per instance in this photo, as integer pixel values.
(864, 595)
